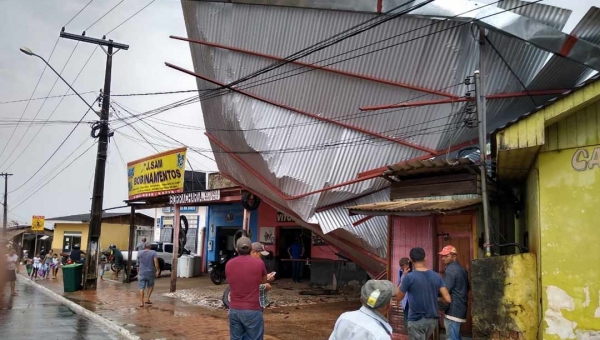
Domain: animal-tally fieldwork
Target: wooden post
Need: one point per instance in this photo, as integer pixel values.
(127, 276)
(204, 230)
(246, 222)
(176, 227)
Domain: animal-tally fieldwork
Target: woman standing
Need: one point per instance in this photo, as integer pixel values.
(12, 268)
(37, 264)
(47, 263)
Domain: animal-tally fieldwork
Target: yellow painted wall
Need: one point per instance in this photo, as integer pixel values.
(570, 242)
(117, 234)
(578, 129)
(532, 216)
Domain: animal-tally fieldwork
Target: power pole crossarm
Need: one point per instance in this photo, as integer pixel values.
(103, 134)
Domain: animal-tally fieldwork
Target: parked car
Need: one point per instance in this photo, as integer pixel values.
(164, 252)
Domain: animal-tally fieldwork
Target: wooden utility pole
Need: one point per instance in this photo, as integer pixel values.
(5, 204)
(101, 131)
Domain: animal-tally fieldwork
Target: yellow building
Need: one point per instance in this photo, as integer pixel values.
(552, 157)
(71, 230)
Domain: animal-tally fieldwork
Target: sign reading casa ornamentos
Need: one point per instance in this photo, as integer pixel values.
(161, 174)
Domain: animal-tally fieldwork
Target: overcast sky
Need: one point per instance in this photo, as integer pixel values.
(36, 24)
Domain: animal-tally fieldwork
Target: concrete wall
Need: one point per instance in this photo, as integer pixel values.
(569, 187)
(117, 234)
(505, 296)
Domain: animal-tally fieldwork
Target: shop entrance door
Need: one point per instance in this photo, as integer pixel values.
(287, 236)
(457, 230)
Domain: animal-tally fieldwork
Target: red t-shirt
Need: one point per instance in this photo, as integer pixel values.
(244, 274)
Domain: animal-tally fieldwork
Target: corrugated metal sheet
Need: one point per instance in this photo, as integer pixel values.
(418, 205)
(299, 154)
(552, 16)
(437, 163)
(373, 231)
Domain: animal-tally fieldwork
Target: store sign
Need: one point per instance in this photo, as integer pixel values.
(160, 174)
(186, 209)
(584, 159)
(281, 217)
(195, 197)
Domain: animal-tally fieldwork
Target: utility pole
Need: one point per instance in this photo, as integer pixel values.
(480, 92)
(5, 204)
(101, 131)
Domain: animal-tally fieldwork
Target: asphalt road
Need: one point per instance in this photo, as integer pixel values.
(33, 315)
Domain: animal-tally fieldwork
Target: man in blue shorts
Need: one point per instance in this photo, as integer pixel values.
(147, 271)
(423, 286)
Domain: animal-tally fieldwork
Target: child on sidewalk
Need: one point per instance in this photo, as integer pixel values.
(54, 265)
(102, 265)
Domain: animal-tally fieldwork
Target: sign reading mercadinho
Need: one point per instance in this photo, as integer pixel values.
(160, 174)
(195, 197)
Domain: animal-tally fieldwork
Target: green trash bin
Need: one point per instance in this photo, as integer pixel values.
(72, 275)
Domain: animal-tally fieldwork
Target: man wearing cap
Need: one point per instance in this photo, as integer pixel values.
(423, 286)
(456, 280)
(369, 322)
(244, 274)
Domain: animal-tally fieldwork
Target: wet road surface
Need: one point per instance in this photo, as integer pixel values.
(33, 315)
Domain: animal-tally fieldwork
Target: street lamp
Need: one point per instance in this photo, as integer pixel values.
(29, 52)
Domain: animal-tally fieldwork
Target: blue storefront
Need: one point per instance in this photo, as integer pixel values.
(222, 221)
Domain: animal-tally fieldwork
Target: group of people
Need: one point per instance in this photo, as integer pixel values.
(44, 265)
(421, 292)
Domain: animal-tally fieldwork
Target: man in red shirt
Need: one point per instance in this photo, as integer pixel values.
(244, 274)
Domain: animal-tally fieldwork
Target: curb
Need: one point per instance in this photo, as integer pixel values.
(88, 314)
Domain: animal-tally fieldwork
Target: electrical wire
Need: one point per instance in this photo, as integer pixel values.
(134, 14)
(119, 152)
(28, 102)
(335, 39)
(41, 106)
(229, 90)
(75, 16)
(55, 151)
(512, 71)
(55, 108)
(105, 14)
(48, 182)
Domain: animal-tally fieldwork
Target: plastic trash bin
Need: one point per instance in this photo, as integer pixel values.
(184, 266)
(72, 276)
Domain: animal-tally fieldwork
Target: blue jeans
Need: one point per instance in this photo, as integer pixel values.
(246, 325)
(452, 329)
(297, 270)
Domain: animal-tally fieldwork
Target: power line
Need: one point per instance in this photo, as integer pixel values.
(55, 108)
(42, 106)
(32, 93)
(262, 82)
(47, 175)
(512, 71)
(337, 38)
(75, 16)
(48, 182)
(55, 151)
(134, 14)
(105, 14)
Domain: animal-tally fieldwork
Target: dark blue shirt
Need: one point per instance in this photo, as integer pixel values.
(75, 255)
(456, 280)
(296, 250)
(422, 288)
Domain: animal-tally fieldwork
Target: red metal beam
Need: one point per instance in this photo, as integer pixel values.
(362, 220)
(331, 206)
(312, 115)
(369, 173)
(344, 73)
(414, 104)
(329, 235)
(463, 99)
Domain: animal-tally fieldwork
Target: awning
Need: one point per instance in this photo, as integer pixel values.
(415, 207)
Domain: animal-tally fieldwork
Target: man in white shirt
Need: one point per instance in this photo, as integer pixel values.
(369, 322)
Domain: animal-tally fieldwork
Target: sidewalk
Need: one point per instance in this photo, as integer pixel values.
(170, 318)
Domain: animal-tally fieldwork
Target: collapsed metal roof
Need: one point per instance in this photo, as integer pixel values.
(296, 136)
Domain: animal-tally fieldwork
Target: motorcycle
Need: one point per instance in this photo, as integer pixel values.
(216, 269)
